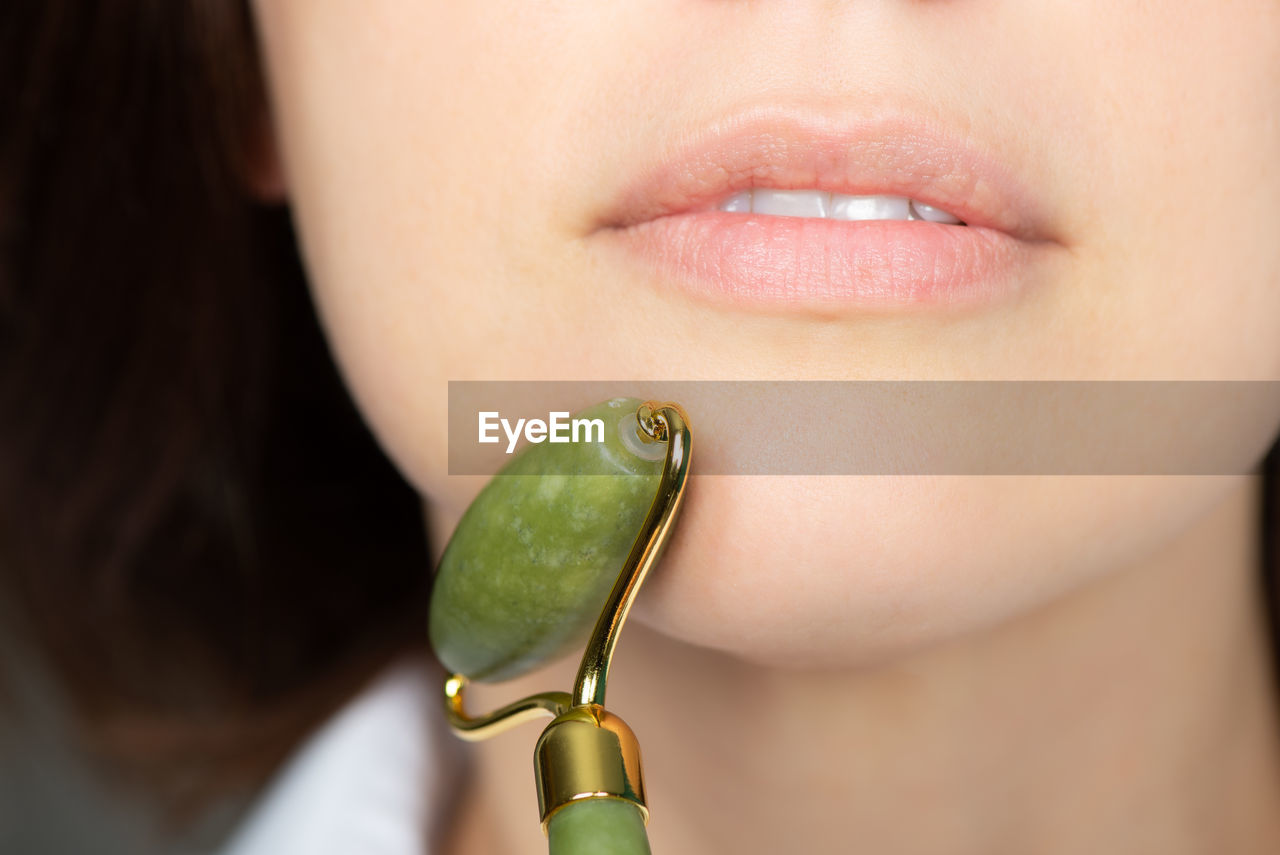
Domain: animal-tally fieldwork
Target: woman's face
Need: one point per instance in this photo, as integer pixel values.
(500, 191)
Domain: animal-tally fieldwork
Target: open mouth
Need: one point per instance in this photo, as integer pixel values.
(787, 209)
(820, 204)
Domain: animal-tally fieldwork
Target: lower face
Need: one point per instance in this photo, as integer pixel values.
(494, 192)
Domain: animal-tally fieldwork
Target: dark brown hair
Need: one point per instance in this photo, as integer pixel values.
(196, 530)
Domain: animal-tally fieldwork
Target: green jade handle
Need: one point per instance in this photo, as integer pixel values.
(602, 826)
(521, 583)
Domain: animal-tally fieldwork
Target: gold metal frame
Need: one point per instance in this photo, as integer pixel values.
(586, 751)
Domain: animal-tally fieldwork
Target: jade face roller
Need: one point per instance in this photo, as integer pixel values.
(549, 557)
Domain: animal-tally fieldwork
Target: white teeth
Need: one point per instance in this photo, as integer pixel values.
(836, 206)
(869, 207)
(738, 203)
(932, 214)
(790, 203)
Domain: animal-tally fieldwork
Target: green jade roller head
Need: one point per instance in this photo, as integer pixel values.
(546, 560)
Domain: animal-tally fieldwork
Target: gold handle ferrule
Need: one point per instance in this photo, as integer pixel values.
(587, 752)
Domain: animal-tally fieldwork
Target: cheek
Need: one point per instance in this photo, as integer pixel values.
(1173, 144)
(435, 208)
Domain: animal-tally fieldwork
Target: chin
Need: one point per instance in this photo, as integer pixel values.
(827, 572)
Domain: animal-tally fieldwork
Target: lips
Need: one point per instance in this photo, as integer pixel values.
(668, 218)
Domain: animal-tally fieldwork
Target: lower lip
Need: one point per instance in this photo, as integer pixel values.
(800, 262)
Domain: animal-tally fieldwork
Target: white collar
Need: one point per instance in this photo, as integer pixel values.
(370, 781)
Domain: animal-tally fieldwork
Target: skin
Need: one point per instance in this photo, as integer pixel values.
(998, 649)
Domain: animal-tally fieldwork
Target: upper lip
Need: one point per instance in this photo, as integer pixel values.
(895, 154)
